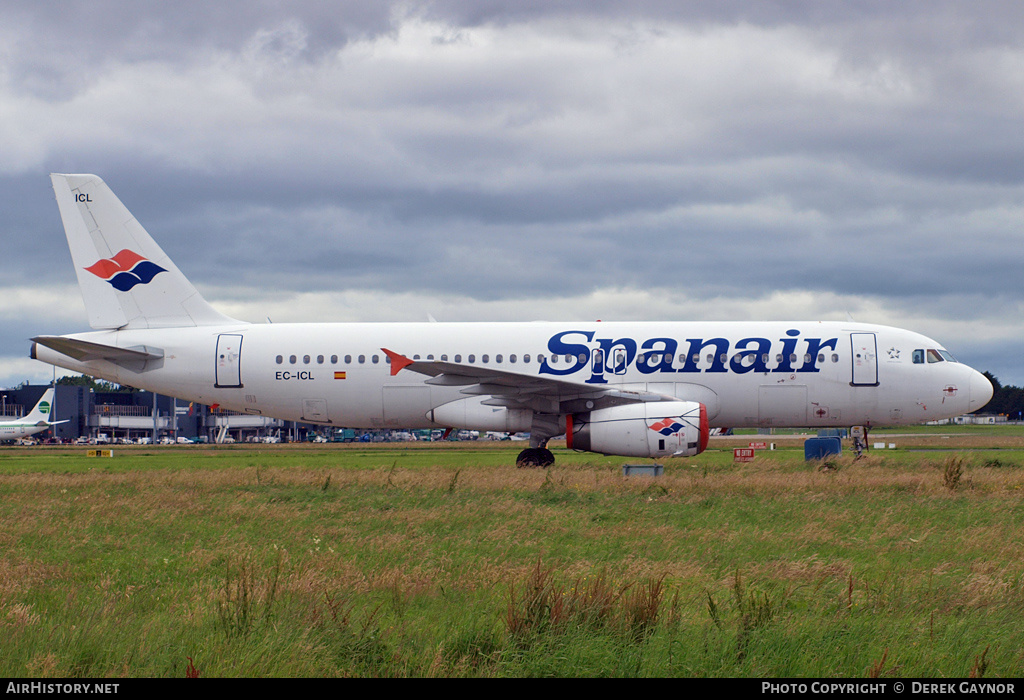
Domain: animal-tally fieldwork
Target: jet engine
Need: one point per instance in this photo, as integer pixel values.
(650, 429)
(471, 414)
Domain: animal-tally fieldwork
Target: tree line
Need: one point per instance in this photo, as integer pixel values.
(98, 385)
(1006, 400)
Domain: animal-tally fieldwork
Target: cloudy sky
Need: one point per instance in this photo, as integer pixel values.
(531, 159)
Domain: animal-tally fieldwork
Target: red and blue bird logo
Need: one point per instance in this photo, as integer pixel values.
(667, 426)
(125, 270)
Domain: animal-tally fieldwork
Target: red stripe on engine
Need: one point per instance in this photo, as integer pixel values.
(705, 429)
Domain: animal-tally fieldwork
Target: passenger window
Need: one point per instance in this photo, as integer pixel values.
(526, 358)
(319, 359)
(348, 359)
(280, 359)
(512, 359)
(293, 359)
(334, 359)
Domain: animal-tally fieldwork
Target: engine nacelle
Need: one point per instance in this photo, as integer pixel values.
(471, 414)
(650, 429)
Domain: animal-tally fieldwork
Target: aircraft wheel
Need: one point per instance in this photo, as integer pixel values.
(535, 457)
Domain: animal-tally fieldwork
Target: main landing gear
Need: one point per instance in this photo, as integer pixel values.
(535, 457)
(543, 427)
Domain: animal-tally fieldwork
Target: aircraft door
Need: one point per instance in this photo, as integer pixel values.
(228, 361)
(598, 364)
(619, 360)
(865, 359)
(315, 411)
(782, 405)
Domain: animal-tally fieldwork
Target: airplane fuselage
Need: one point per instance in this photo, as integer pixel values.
(763, 374)
(13, 430)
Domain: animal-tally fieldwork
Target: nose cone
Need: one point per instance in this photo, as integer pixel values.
(980, 391)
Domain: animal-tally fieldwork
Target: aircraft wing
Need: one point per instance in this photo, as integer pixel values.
(513, 390)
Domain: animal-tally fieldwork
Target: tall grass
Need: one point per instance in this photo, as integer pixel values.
(420, 562)
(245, 603)
(541, 605)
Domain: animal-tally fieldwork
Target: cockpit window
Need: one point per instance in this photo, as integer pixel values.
(919, 357)
(934, 356)
(946, 356)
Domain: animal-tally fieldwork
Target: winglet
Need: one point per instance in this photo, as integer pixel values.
(398, 362)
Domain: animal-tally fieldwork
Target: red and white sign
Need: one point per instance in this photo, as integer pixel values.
(759, 445)
(743, 454)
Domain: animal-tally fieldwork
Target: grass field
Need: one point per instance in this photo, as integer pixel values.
(421, 559)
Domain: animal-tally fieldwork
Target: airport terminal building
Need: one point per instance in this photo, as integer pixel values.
(140, 415)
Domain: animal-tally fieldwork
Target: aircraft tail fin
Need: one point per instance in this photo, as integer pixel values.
(40, 413)
(126, 279)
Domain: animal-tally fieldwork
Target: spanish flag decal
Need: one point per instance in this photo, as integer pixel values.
(339, 375)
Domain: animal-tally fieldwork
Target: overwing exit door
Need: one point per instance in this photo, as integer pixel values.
(228, 359)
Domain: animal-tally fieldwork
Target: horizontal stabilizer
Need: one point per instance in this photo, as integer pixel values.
(134, 358)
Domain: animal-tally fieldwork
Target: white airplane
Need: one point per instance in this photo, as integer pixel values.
(633, 389)
(35, 422)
